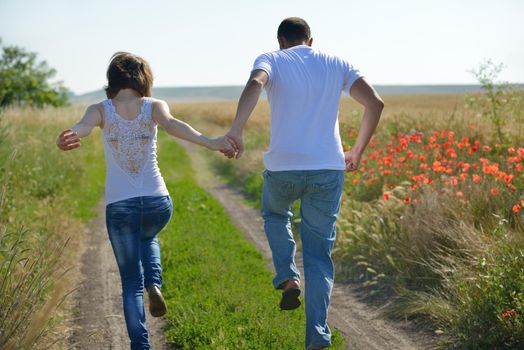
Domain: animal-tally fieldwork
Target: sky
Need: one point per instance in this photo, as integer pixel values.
(206, 42)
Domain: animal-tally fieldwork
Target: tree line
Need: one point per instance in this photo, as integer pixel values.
(27, 81)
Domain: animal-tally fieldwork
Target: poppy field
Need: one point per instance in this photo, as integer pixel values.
(432, 223)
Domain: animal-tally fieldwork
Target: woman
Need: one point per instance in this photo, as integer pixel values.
(138, 205)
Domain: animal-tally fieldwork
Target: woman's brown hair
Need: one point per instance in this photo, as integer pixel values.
(128, 71)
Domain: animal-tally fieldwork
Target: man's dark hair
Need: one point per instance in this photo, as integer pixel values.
(294, 29)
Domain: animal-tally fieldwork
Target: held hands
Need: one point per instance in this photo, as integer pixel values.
(236, 138)
(230, 145)
(352, 159)
(224, 145)
(68, 140)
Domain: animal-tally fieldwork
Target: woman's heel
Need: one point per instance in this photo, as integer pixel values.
(157, 304)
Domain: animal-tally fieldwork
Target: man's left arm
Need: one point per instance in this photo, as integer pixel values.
(246, 104)
(366, 95)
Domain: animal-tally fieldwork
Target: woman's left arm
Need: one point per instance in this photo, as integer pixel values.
(70, 139)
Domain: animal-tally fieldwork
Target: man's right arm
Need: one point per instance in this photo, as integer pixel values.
(366, 95)
(246, 104)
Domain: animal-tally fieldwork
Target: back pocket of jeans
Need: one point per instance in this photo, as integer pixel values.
(278, 187)
(325, 196)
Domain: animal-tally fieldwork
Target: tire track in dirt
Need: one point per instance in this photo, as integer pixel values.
(362, 325)
(98, 321)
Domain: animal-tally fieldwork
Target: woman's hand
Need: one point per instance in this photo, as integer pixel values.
(225, 145)
(68, 140)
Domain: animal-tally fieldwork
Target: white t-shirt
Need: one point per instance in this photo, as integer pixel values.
(304, 90)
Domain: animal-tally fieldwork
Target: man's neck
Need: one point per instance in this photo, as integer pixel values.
(284, 44)
(297, 44)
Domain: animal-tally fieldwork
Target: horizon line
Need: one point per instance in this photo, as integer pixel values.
(242, 85)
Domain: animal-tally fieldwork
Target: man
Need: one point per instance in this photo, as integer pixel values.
(305, 161)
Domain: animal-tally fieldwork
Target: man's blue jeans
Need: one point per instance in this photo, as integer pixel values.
(319, 192)
(132, 225)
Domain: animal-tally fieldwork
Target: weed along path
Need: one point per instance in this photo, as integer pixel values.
(98, 321)
(361, 325)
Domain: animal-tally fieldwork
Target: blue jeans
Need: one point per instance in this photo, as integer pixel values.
(133, 225)
(319, 192)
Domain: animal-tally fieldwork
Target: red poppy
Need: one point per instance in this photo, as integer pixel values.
(508, 178)
(476, 179)
(508, 313)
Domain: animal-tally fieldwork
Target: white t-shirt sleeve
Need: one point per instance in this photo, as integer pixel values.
(262, 62)
(351, 75)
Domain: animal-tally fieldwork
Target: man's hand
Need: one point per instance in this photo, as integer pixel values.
(236, 139)
(352, 159)
(68, 140)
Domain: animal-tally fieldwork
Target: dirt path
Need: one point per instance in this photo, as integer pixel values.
(360, 324)
(98, 316)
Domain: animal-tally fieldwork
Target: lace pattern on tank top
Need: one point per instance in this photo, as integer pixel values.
(129, 140)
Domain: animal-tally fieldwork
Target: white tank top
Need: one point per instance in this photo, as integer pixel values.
(130, 153)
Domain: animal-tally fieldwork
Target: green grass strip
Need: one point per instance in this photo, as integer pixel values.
(217, 285)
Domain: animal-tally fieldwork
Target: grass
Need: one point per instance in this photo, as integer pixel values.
(46, 195)
(451, 260)
(216, 284)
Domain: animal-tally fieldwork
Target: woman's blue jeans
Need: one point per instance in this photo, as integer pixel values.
(133, 225)
(319, 192)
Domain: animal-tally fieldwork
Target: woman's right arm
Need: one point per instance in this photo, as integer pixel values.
(70, 139)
